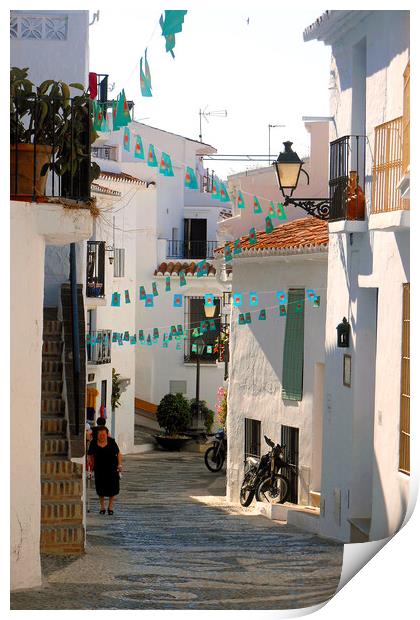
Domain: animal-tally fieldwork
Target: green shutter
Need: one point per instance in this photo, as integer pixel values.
(293, 346)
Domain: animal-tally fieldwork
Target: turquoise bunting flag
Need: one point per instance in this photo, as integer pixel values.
(138, 149)
(190, 181)
(170, 25)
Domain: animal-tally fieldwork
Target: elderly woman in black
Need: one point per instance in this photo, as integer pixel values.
(106, 461)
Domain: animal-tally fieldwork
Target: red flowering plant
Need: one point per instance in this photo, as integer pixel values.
(221, 406)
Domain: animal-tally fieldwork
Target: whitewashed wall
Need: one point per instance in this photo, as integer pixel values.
(361, 440)
(32, 227)
(57, 40)
(256, 364)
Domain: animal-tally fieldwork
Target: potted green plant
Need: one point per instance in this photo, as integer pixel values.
(174, 416)
(46, 123)
(116, 390)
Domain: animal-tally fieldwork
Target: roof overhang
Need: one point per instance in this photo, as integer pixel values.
(307, 252)
(332, 25)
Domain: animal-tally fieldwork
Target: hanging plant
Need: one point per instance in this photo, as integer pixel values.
(116, 390)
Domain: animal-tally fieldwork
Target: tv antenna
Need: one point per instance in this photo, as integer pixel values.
(204, 114)
(270, 127)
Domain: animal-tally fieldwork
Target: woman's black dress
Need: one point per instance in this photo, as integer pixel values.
(107, 480)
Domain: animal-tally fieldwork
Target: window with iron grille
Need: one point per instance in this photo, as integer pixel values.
(293, 351)
(252, 438)
(95, 269)
(194, 315)
(119, 262)
(404, 457)
(105, 152)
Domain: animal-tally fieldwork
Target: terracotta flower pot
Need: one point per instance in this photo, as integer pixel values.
(22, 171)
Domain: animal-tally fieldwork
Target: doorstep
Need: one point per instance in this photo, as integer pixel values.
(304, 517)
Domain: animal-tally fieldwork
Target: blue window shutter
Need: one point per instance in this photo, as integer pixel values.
(293, 351)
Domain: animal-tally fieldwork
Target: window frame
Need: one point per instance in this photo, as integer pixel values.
(290, 388)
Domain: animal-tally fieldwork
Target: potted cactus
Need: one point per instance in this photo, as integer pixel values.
(47, 132)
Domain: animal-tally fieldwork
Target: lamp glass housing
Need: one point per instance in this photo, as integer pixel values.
(210, 311)
(288, 166)
(200, 346)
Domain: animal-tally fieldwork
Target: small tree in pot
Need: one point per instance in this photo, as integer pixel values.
(174, 416)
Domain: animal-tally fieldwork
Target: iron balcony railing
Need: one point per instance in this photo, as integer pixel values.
(191, 249)
(50, 150)
(98, 346)
(95, 269)
(347, 162)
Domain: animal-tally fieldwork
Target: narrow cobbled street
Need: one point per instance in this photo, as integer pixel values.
(173, 543)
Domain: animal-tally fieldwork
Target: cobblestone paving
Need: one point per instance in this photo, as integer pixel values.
(173, 543)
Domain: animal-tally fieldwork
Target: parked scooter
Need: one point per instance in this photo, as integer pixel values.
(262, 478)
(215, 455)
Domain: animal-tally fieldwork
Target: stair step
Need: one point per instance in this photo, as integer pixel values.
(61, 489)
(52, 405)
(58, 469)
(66, 512)
(52, 376)
(54, 446)
(51, 348)
(52, 328)
(52, 385)
(54, 426)
(52, 367)
(64, 540)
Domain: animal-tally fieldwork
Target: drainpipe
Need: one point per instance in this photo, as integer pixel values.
(75, 335)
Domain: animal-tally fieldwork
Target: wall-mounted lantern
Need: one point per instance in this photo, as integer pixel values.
(343, 334)
(288, 167)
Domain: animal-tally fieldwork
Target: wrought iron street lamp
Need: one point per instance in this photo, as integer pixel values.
(288, 168)
(200, 345)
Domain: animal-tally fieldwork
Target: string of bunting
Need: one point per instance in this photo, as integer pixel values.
(177, 332)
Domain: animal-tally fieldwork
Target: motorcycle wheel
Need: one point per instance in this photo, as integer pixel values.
(274, 492)
(246, 495)
(213, 460)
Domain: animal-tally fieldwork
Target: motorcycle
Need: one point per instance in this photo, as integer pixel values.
(262, 479)
(215, 455)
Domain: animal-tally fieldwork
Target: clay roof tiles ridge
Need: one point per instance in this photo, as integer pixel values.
(298, 235)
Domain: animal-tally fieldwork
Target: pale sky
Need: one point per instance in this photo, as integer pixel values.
(260, 73)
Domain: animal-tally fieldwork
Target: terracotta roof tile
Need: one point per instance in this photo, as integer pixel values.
(308, 232)
(100, 189)
(189, 268)
(121, 176)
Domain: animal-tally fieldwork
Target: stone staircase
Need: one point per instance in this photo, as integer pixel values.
(62, 531)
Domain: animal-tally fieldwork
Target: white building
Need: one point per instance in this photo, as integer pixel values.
(175, 228)
(279, 394)
(366, 458)
(277, 364)
(53, 44)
